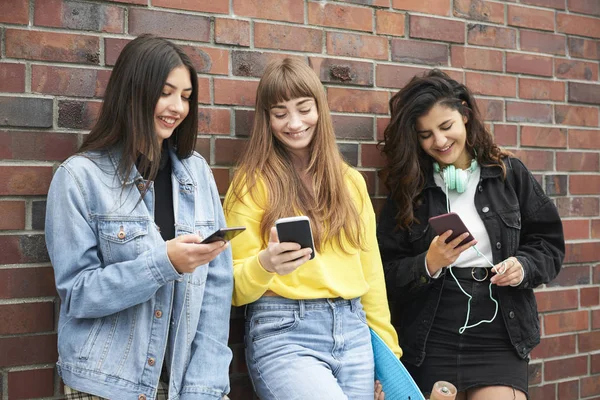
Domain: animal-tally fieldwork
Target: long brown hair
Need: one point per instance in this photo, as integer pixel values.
(127, 115)
(408, 166)
(266, 160)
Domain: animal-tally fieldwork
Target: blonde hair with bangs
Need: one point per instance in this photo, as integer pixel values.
(265, 159)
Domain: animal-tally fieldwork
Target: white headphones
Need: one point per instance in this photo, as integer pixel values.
(456, 178)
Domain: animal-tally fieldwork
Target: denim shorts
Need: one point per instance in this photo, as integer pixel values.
(309, 349)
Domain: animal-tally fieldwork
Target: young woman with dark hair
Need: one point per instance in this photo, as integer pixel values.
(465, 313)
(307, 322)
(145, 306)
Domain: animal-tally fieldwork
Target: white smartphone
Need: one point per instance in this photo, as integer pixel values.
(296, 230)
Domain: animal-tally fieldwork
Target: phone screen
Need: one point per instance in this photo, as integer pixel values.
(296, 230)
(450, 221)
(225, 234)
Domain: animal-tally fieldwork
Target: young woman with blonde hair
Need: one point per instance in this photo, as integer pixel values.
(307, 320)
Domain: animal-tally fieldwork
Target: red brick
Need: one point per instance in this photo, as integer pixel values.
(21, 387)
(24, 180)
(590, 297)
(517, 111)
(169, 25)
(492, 84)
(382, 123)
(543, 136)
(214, 121)
(491, 110)
(228, 151)
(505, 135)
(27, 282)
(568, 390)
(203, 90)
(493, 36)
(144, 2)
(565, 367)
(419, 52)
(557, 300)
(555, 346)
(12, 78)
(584, 184)
(26, 318)
(352, 45)
(393, 76)
(357, 101)
(583, 139)
(545, 392)
(52, 46)
(45, 146)
(64, 81)
(541, 89)
(584, 48)
(19, 249)
(536, 160)
(596, 228)
(573, 69)
(473, 58)
(27, 350)
(590, 386)
(584, 7)
(340, 16)
(584, 93)
(528, 64)
(221, 176)
(79, 16)
(577, 161)
(577, 25)
(478, 10)
(280, 10)
(534, 373)
(576, 115)
(571, 276)
(543, 42)
(332, 70)
(371, 156)
(444, 30)
(582, 252)
(203, 148)
(212, 6)
(15, 12)
(286, 37)
(578, 207)
(389, 23)
(78, 114)
(595, 359)
(12, 215)
(232, 31)
(112, 49)
(208, 60)
(237, 92)
(353, 127)
(26, 112)
(557, 4)
(253, 63)
(439, 7)
(374, 3)
(576, 229)
(534, 18)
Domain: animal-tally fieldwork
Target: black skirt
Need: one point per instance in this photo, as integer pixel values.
(482, 355)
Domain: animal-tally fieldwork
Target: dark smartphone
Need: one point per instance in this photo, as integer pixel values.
(296, 230)
(450, 221)
(225, 234)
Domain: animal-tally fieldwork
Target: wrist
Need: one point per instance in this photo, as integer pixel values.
(263, 258)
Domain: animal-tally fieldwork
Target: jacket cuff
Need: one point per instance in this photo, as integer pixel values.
(160, 265)
(258, 273)
(525, 282)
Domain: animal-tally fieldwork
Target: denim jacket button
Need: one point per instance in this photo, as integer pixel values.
(511, 314)
(151, 361)
(158, 313)
(485, 209)
(480, 188)
(498, 245)
(142, 397)
(140, 186)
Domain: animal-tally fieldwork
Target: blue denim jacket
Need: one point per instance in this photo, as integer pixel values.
(124, 308)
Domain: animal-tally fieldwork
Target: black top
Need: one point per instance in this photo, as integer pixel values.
(163, 197)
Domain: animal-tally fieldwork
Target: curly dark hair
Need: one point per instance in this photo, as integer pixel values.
(408, 166)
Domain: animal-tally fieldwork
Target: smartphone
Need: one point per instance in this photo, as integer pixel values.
(225, 234)
(296, 230)
(450, 221)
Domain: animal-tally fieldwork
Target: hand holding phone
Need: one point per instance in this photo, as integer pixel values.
(453, 238)
(224, 234)
(296, 230)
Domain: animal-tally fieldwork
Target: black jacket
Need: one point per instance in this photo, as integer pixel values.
(520, 220)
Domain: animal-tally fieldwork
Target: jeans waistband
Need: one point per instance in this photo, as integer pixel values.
(282, 303)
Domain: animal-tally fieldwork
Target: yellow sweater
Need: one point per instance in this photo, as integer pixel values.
(332, 273)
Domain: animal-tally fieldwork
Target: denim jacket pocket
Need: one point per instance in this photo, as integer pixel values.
(511, 230)
(121, 238)
(86, 349)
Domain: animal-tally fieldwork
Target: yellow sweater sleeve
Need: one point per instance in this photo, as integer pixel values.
(375, 301)
(251, 280)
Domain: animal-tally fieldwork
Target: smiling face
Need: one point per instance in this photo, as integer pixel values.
(293, 123)
(442, 134)
(173, 104)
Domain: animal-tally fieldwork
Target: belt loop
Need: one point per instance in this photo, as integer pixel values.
(245, 311)
(353, 305)
(302, 305)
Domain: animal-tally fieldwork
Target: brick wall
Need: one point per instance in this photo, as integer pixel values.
(533, 63)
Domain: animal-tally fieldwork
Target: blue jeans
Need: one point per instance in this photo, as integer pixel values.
(309, 349)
